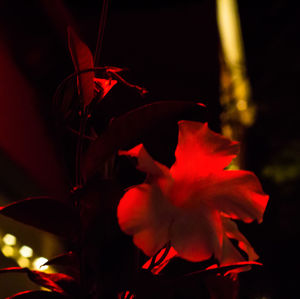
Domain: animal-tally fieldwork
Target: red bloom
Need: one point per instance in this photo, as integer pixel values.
(104, 85)
(192, 203)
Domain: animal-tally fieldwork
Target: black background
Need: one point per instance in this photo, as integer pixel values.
(171, 48)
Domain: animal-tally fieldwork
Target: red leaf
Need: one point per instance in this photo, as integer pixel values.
(56, 282)
(68, 263)
(37, 295)
(224, 270)
(128, 128)
(44, 213)
(83, 60)
(13, 269)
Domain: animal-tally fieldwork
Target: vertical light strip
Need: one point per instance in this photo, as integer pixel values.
(235, 92)
(230, 32)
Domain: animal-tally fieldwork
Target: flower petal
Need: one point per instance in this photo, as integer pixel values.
(146, 163)
(201, 151)
(232, 232)
(197, 236)
(230, 255)
(150, 240)
(104, 85)
(236, 193)
(144, 213)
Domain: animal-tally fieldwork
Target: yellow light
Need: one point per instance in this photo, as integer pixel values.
(9, 239)
(241, 105)
(235, 95)
(233, 166)
(227, 131)
(23, 262)
(37, 263)
(8, 251)
(230, 32)
(26, 251)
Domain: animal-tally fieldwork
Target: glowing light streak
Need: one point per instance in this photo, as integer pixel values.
(235, 97)
(230, 32)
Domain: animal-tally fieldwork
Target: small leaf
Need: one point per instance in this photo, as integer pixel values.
(44, 213)
(83, 60)
(69, 259)
(67, 263)
(128, 129)
(56, 282)
(224, 270)
(13, 269)
(37, 295)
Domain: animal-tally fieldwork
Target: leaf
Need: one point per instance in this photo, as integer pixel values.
(44, 213)
(69, 259)
(83, 60)
(128, 129)
(68, 263)
(56, 282)
(224, 270)
(37, 295)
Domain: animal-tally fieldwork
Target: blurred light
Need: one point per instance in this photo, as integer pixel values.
(9, 239)
(233, 166)
(235, 90)
(8, 251)
(227, 131)
(230, 31)
(26, 251)
(241, 105)
(39, 262)
(247, 116)
(23, 262)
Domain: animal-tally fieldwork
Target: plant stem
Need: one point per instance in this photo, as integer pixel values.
(101, 28)
(79, 146)
(78, 184)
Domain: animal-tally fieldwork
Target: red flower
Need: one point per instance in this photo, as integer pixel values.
(104, 85)
(192, 204)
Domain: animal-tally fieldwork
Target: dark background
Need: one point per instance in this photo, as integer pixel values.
(171, 48)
